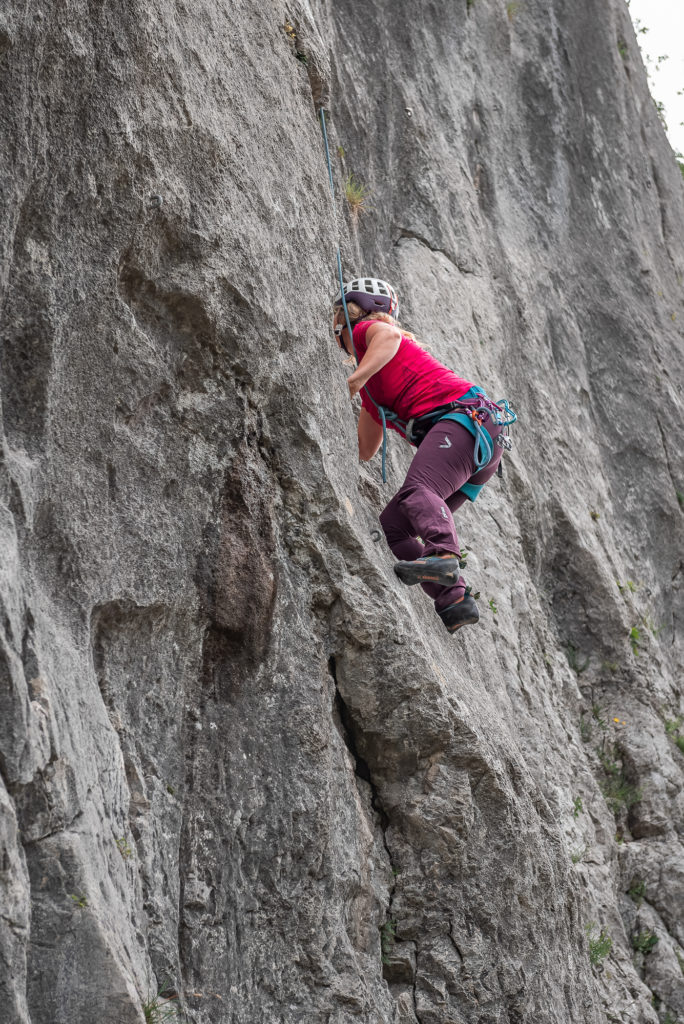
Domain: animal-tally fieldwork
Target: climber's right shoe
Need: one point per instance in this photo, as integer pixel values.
(462, 613)
(429, 570)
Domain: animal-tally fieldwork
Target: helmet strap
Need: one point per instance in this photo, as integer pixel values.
(338, 329)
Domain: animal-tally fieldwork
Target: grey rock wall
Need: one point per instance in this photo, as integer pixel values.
(242, 768)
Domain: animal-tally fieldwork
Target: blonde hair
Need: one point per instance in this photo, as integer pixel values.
(357, 314)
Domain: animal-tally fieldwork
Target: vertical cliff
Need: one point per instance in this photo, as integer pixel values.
(240, 765)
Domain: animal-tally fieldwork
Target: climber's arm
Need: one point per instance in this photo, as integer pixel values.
(370, 436)
(383, 345)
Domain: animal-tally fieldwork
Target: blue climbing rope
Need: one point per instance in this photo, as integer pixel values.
(382, 412)
(327, 154)
(482, 441)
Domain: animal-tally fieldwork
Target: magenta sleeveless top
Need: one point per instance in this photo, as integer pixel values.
(412, 383)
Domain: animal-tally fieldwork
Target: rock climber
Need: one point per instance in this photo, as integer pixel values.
(456, 455)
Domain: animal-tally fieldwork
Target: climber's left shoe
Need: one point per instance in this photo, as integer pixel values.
(429, 570)
(462, 613)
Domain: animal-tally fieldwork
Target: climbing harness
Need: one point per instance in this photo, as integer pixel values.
(471, 409)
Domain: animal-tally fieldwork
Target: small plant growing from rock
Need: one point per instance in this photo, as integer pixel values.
(597, 714)
(161, 1007)
(651, 626)
(637, 891)
(492, 606)
(291, 34)
(80, 900)
(387, 939)
(599, 945)
(124, 847)
(577, 807)
(157, 1010)
(672, 728)
(660, 110)
(573, 660)
(622, 48)
(644, 941)
(618, 792)
(577, 855)
(512, 9)
(673, 725)
(356, 194)
(595, 515)
(635, 640)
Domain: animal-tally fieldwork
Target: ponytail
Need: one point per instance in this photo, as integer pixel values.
(357, 314)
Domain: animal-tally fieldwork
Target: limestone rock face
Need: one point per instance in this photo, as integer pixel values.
(242, 768)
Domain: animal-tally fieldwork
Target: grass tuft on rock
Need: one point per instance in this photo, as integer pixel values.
(356, 194)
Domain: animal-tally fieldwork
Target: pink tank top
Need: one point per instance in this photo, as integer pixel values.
(412, 383)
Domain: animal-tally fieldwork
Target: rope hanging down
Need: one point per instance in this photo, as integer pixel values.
(383, 413)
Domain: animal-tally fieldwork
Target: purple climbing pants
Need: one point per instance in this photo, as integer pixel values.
(422, 507)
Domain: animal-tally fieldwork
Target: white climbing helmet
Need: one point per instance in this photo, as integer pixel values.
(371, 294)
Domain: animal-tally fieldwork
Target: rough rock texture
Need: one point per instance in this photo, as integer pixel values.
(239, 762)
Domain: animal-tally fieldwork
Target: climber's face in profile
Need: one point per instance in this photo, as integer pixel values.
(338, 327)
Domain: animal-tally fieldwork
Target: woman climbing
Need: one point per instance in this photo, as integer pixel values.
(452, 422)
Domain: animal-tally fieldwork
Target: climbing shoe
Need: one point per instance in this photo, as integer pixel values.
(429, 570)
(463, 613)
